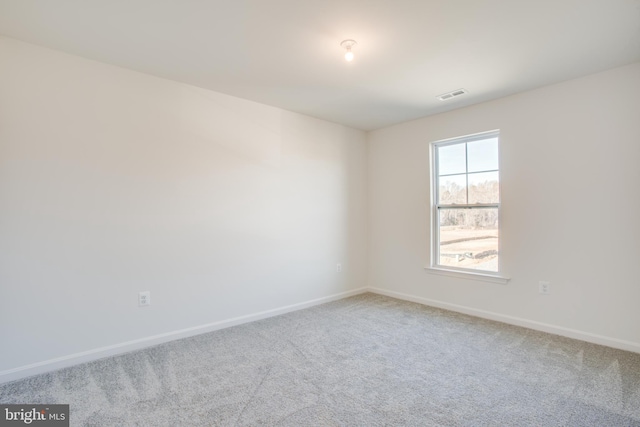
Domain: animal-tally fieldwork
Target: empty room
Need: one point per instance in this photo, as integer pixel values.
(319, 213)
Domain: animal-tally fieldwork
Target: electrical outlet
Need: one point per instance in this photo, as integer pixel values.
(339, 268)
(544, 287)
(144, 298)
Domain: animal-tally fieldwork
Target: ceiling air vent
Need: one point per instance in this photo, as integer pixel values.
(451, 94)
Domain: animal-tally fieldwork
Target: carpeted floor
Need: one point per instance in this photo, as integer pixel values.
(368, 360)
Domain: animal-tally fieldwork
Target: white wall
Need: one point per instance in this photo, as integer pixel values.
(570, 178)
(114, 182)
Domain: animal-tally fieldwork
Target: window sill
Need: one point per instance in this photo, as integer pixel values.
(468, 275)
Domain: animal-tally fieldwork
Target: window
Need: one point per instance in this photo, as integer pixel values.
(466, 204)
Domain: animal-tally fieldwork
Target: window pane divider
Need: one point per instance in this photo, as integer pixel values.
(469, 173)
(472, 206)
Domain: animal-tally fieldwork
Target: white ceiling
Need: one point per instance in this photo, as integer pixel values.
(286, 53)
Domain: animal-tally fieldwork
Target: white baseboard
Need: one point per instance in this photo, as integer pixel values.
(126, 347)
(517, 321)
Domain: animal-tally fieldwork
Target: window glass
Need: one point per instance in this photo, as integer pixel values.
(451, 160)
(483, 155)
(469, 238)
(453, 189)
(484, 187)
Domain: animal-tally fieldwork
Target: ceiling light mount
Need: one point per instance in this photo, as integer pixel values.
(348, 44)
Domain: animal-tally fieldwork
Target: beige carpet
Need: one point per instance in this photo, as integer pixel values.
(368, 360)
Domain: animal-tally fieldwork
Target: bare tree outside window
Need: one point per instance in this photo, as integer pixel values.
(467, 202)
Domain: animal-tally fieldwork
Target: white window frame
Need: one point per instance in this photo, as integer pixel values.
(434, 267)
